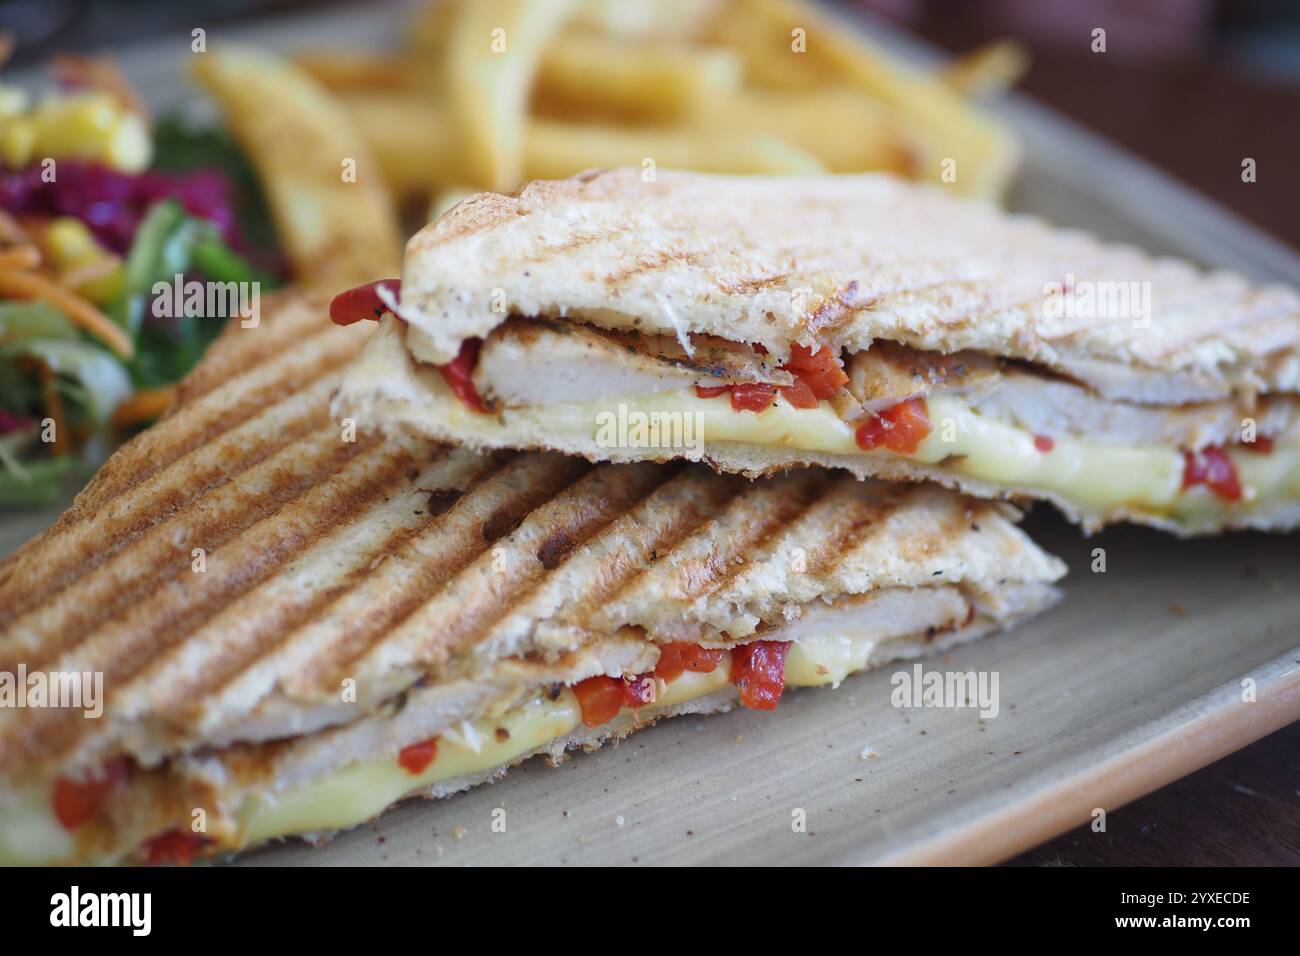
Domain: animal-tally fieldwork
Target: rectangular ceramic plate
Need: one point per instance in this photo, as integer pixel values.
(1178, 653)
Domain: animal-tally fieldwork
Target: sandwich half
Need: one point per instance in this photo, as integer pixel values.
(854, 321)
(292, 630)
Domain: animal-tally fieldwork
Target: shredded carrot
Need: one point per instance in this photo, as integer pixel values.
(53, 407)
(99, 74)
(78, 276)
(30, 285)
(22, 257)
(145, 405)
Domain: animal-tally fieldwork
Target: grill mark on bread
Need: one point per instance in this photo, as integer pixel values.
(185, 431)
(547, 253)
(89, 536)
(457, 542)
(104, 592)
(580, 512)
(297, 317)
(653, 263)
(794, 495)
(303, 660)
(128, 644)
(834, 311)
(710, 552)
(851, 522)
(748, 285)
(693, 499)
(258, 622)
(441, 500)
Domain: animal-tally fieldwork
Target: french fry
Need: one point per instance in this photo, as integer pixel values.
(492, 54)
(842, 128)
(581, 75)
(555, 150)
(989, 70)
(353, 70)
(648, 19)
(326, 195)
(414, 143)
(795, 45)
(584, 74)
(411, 138)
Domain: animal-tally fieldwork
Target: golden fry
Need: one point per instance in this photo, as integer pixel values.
(649, 19)
(411, 138)
(332, 213)
(492, 54)
(842, 128)
(795, 45)
(584, 74)
(414, 144)
(555, 150)
(352, 70)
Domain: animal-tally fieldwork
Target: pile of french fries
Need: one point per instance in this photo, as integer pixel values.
(489, 94)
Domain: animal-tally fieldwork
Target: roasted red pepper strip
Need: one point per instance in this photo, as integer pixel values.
(1213, 468)
(76, 801)
(799, 394)
(711, 391)
(601, 698)
(900, 428)
(415, 758)
(175, 846)
(752, 396)
(363, 302)
(820, 371)
(459, 374)
(681, 656)
(817, 375)
(758, 671)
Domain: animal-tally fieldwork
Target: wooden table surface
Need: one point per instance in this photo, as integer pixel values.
(1196, 119)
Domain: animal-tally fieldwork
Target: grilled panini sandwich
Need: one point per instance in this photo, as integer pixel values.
(852, 321)
(295, 630)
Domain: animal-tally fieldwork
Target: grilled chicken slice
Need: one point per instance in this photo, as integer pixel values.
(887, 374)
(1047, 405)
(544, 362)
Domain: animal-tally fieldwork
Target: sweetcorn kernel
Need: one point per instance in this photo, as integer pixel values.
(84, 126)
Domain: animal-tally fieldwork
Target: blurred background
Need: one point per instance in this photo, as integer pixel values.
(1238, 61)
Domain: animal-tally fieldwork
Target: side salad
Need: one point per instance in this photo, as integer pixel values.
(99, 205)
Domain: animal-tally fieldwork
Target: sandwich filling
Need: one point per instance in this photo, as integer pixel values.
(248, 795)
(990, 424)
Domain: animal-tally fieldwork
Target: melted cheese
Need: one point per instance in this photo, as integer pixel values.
(353, 794)
(1094, 476)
